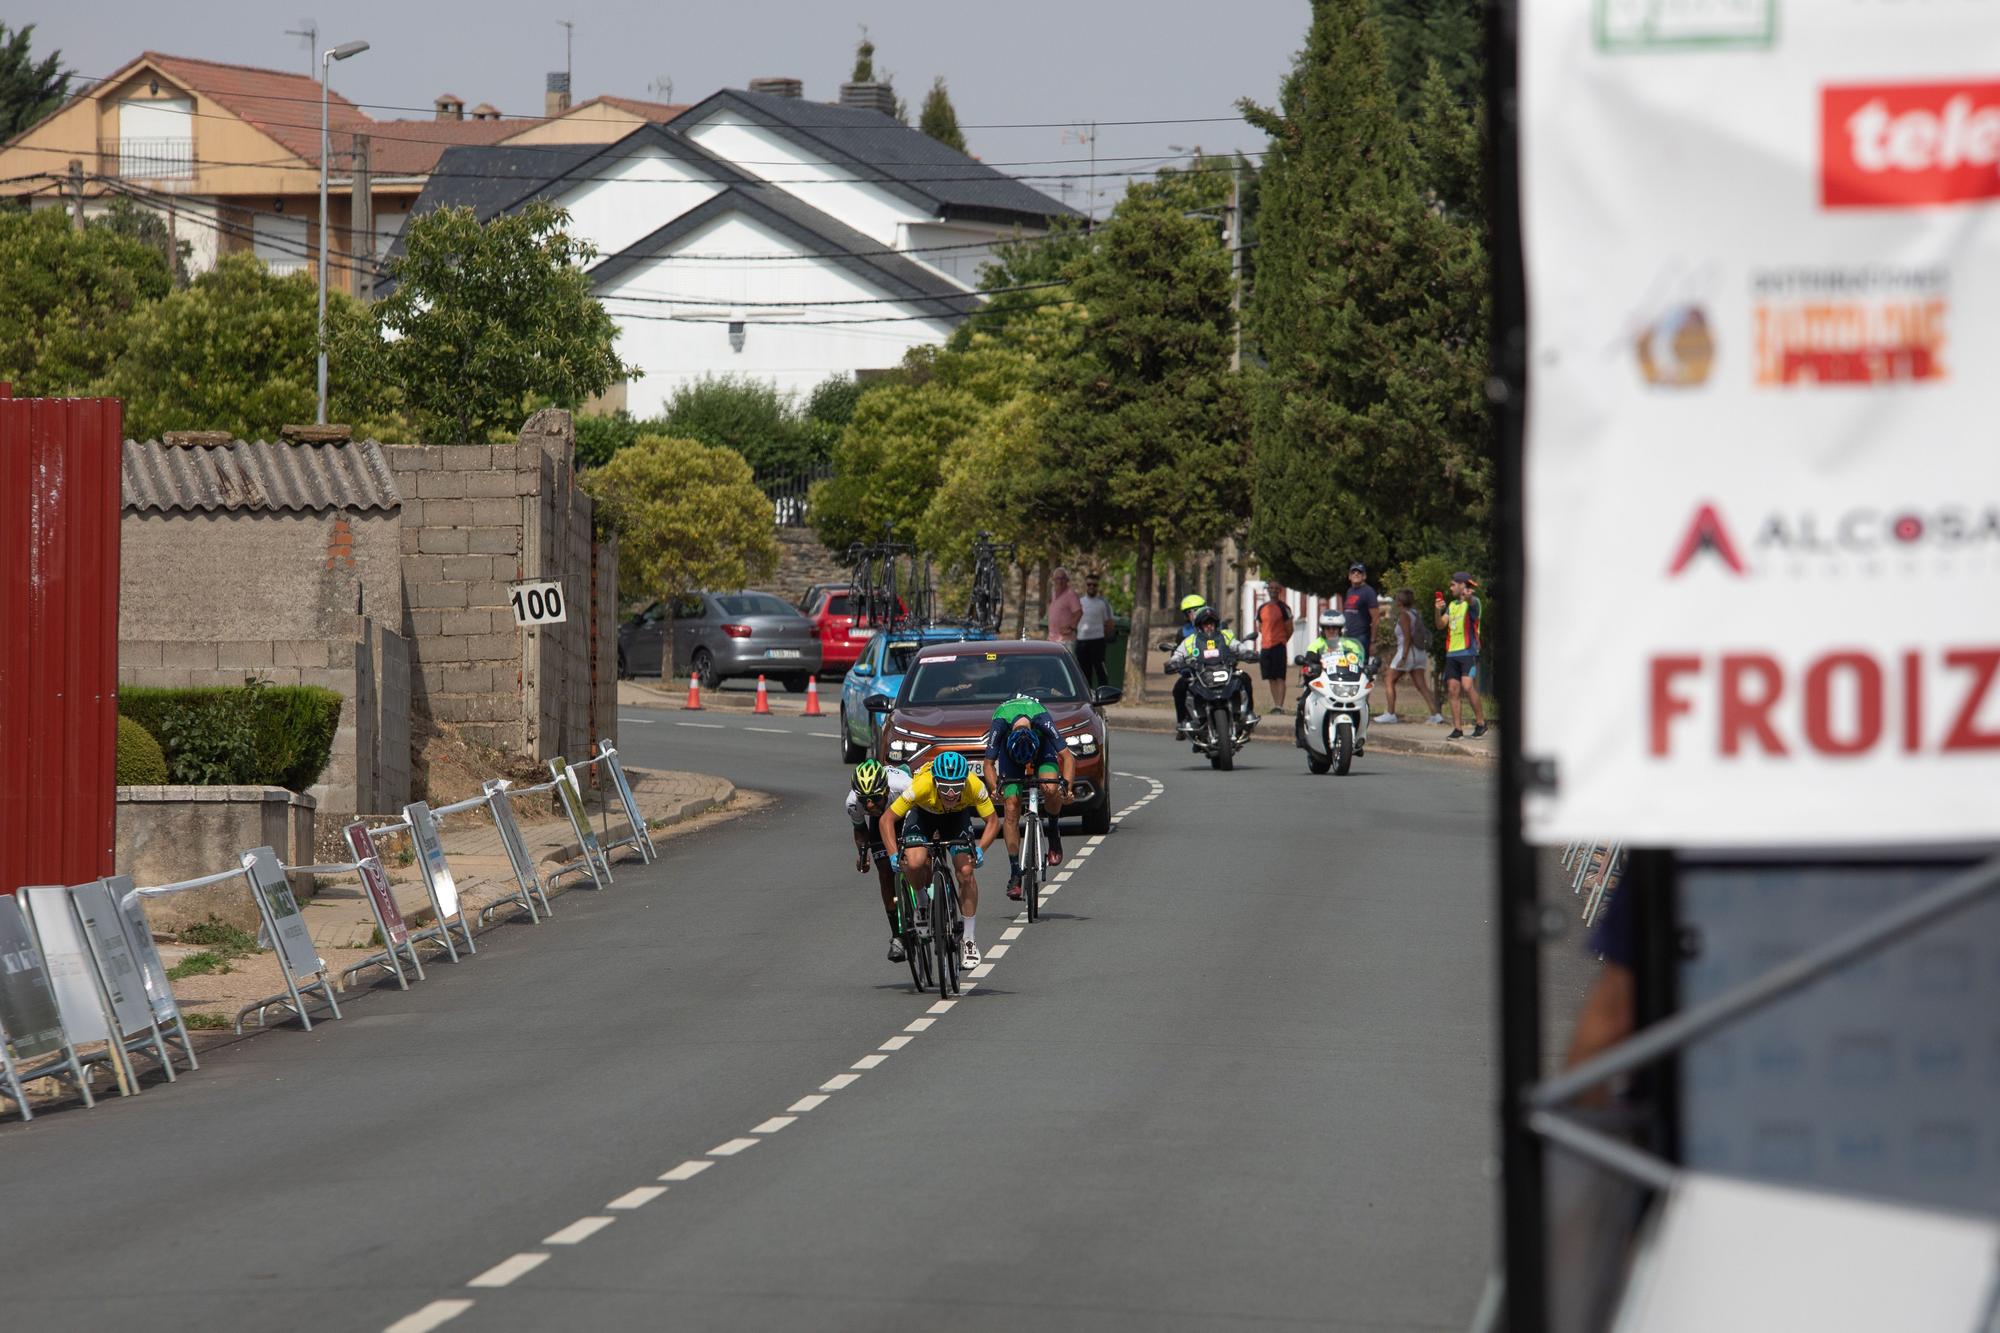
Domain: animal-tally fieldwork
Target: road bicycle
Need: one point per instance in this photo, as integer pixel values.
(913, 925)
(988, 586)
(940, 923)
(1033, 853)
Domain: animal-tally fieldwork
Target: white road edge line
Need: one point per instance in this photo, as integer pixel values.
(920, 1024)
(941, 1007)
(687, 1170)
(579, 1231)
(804, 1104)
(771, 731)
(508, 1269)
(980, 971)
(869, 1061)
(837, 1082)
(731, 1148)
(428, 1318)
(824, 735)
(638, 721)
(637, 1198)
(1011, 933)
(705, 726)
(774, 1124)
(996, 950)
(896, 1043)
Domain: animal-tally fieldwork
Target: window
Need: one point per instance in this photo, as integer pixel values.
(838, 604)
(973, 678)
(156, 138)
(736, 334)
(688, 608)
(753, 604)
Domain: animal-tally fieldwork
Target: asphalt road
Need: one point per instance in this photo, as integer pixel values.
(1237, 1077)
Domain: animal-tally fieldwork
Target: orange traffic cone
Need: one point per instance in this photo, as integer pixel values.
(812, 698)
(694, 692)
(763, 699)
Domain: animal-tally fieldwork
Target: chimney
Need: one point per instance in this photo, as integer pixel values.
(555, 100)
(486, 111)
(869, 97)
(779, 86)
(450, 106)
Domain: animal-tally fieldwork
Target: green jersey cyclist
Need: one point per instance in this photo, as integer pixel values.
(1022, 740)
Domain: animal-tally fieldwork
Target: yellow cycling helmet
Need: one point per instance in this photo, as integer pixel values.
(1194, 601)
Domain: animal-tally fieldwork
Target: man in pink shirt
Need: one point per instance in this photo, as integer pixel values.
(1065, 608)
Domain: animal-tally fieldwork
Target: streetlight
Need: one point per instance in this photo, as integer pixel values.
(341, 52)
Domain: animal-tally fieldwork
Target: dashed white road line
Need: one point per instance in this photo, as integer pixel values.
(771, 731)
(509, 1269)
(705, 726)
(579, 1231)
(824, 735)
(638, 721)
(430, 1317)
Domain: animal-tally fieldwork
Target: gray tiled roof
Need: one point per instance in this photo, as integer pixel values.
(960, 186)
(239, 475)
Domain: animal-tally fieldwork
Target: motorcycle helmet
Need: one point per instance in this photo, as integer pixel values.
(949, 768)
(1331, 619)
(1194, 601)
(871, 780)
(1206, 618)
(1023, 745)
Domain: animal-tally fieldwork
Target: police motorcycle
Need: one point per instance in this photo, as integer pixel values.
(1333, 721)
(1218, 695)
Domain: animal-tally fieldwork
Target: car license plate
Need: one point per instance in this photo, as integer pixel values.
(858, 633)
(781, 652)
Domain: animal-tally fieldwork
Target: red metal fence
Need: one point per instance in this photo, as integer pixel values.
(59, 502)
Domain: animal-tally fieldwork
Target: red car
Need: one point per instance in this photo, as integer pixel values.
(830, 607)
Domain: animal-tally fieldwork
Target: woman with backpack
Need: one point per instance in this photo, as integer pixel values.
(1412, 658)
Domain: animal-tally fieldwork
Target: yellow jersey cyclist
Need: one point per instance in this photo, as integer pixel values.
(938, 807)
(1024, 739)
(873, 787)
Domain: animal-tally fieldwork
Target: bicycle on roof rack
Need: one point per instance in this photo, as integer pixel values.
(989, 598)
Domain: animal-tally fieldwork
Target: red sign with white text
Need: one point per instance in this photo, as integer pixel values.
(1909, 145)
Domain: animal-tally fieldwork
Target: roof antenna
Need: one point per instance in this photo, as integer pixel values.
(662, 88)
(569, 38)
(308, 29)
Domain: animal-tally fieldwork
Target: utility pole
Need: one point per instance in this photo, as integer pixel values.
(1235, 234)
(361, 220)
(76, 192)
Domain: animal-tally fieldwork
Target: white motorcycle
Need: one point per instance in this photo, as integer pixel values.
(1335, 724)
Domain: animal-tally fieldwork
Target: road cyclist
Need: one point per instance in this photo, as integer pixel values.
(1023, 741)
(869, 793)
(938, 807)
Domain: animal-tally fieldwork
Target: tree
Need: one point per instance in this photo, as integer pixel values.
(235, 351)
(1027, 263)
(749, 416)
(127, 219)
(1370, 426)
(1146, 420)
(889, 461)
(29, 89)
(482, 316)
(66, 298)
(687, 516)
(1420, 33)
(938, 119)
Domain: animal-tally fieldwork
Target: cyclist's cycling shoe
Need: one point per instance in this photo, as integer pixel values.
(896, 953)
(1014, 886)
(970, 958)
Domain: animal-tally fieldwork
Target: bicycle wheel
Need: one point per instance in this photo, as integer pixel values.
(944, 913)
(1031, 862)
(913, 944)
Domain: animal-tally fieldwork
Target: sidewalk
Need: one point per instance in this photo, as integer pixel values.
(1410, 736)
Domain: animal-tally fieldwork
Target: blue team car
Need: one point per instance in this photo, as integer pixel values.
(879, 670)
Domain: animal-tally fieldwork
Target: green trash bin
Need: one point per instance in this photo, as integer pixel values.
(1114, 650)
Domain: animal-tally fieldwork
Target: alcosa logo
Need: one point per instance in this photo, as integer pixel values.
(1654, 25)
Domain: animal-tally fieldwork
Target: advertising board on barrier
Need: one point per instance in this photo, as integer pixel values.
(28, 1012)
(431, 860)
(1762, 501)
(83, 945)
(281, 910)
(510, 836)
(362, 844)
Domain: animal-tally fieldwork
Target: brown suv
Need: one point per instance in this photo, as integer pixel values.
(947, 699)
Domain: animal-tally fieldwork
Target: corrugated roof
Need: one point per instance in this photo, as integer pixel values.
(242, 476)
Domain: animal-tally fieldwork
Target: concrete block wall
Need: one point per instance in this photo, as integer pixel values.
(802, 562)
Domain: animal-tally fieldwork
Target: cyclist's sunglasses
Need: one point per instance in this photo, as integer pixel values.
(950, 791)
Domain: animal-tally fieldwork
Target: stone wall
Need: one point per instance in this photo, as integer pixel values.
(802, 562)
(168, 834)
(477, 519)
(363, 661)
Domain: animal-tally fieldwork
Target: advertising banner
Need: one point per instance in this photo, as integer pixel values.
(1762, 499)
(510, 835)
(431, 859)
(287, 923)
(139, 932)
(28, 1013)
(569, 790)
(72, 961)
(362, 844)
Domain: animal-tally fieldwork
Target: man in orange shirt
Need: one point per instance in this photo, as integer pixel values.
(1274, 644)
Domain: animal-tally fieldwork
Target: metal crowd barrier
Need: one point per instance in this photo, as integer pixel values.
(78, 965)
(1583, 855)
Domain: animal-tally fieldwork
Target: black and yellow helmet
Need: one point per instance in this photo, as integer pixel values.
(871, 780)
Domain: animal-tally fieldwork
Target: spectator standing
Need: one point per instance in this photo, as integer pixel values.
(1274, 643)
(1363, 608)
(1093, 630)
(1065, 608)
(1412, 659)
(1460, 621)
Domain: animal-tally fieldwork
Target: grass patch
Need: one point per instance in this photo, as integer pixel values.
(205, 963)
(221, 938)
(196, 1022)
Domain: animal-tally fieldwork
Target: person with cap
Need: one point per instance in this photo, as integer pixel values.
(1459, 619)
(1065, 608)
(1363, 607)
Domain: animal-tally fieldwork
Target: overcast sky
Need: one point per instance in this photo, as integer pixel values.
(1006, 61)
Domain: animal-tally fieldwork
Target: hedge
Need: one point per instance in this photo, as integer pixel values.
(252, 734)
(141, 762)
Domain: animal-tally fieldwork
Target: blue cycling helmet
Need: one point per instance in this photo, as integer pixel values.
(1023, 745)
(949, 767)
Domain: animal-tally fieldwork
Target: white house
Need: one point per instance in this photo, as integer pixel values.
(763, 235)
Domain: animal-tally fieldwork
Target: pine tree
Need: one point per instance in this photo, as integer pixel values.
(29, 89)
(938, 119)
(1369, 429)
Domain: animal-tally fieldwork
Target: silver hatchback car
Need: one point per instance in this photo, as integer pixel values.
(725, 634)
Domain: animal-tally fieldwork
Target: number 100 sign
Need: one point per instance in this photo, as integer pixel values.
(538, 604)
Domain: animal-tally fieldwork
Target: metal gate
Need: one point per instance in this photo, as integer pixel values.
(59, 488)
